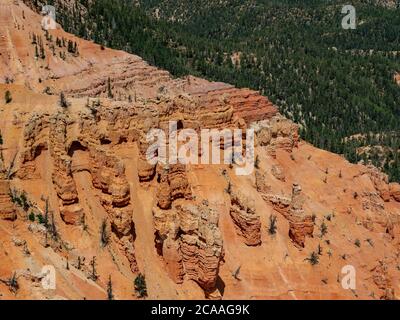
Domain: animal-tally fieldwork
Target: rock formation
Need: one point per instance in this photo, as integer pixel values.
(246, 220)
(7, 209)
(115, 214)
(190, 243)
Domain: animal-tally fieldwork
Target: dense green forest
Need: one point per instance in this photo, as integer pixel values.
(337, 84)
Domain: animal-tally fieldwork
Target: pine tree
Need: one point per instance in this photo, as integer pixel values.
(110, 294)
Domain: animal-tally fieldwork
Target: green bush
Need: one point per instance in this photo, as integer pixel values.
(32, 216)
(140, 285)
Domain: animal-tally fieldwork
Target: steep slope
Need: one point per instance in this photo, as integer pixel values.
(336, 83)
(77, 193)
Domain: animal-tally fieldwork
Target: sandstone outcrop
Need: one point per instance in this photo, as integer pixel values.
(278, 173)
(394, 189)
(190, 243)
(108, 175)
(173, 185)
(246, 220)
(62, 173)
(301, 225)
(88, 163)
(7, 209)
(276, 133)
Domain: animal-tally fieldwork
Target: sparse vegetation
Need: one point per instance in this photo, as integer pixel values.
(272, 224)
(313, 258)
(104, 234)
(314, 217)
(20, 199)
(63, 101)
(32, 216)
(323, 229)
(140, 285)
(110, 295)
(370, 242)
(93, 274)
(12, 283)
(357, 243)
(40, 218)
(7, 97)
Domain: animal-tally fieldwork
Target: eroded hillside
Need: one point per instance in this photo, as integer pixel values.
(77, 193)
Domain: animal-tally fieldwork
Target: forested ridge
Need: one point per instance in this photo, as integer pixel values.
(337, 84)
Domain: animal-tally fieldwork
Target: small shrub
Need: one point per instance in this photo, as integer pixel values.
(357, 243)
(313, 258)
(272, 224)
(63, 101)
(40, 218)
(140, 285)
(313, 217)
(32, 217)
(323, 229)
(7, 97)
(319, 249)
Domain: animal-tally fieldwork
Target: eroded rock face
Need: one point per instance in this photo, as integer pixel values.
(108, 175)
(381, 182)
(246, 220)
(173, 185)
(62, 173)
(394, 189)
(375, 215)
(277, 133)
(278, 172)
(382, 279)
(7, 209)
(72, 214)
(301, 225)
(190, 242)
